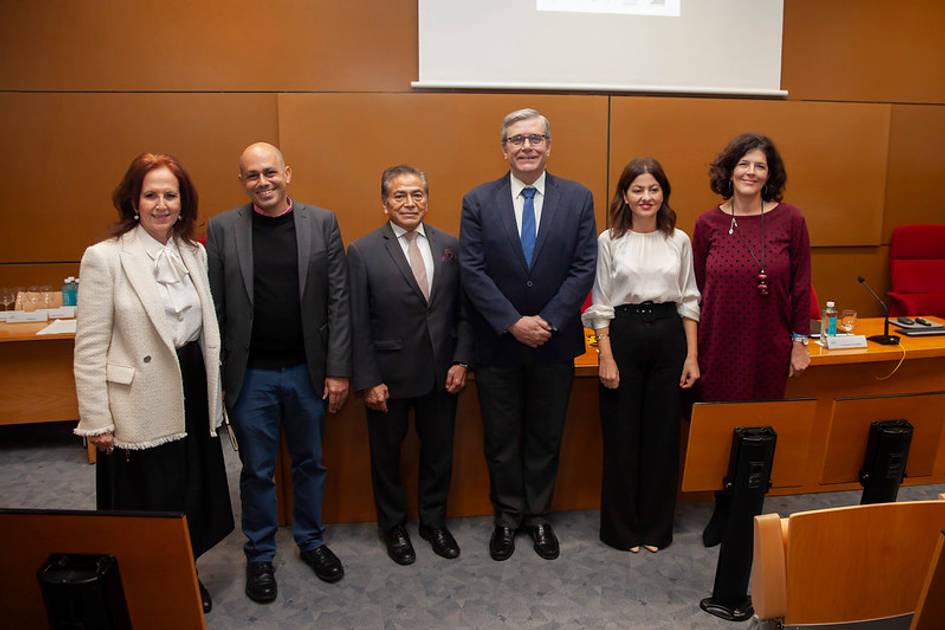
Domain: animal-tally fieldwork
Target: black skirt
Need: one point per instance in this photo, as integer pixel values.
(186, 475)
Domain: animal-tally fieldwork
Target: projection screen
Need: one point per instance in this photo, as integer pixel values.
(649, 46)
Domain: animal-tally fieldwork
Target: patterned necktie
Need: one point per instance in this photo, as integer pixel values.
(528, 223)
(416, 263)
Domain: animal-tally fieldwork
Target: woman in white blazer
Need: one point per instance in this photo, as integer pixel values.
(147, 358)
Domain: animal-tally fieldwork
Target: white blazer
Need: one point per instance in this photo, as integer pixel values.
(128, 380)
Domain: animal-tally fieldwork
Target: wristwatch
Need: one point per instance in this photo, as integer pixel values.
(801, 338)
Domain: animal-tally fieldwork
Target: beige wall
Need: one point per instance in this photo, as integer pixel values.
(87, 84)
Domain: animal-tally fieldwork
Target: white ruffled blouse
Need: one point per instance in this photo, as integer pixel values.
(181, 302)
(640, 267)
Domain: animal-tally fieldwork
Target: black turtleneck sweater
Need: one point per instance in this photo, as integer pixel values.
(277, 340)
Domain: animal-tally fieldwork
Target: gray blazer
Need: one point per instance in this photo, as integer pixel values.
(401, 340)
(323, 291)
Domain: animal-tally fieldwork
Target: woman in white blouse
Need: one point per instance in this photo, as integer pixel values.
(147, 358)
(645, 313)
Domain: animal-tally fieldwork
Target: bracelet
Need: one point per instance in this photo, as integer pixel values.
(603, 336)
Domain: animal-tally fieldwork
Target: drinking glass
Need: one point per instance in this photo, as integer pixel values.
(847, 320)
(7, 299)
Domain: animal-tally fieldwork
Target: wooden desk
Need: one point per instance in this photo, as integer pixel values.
(36, 385)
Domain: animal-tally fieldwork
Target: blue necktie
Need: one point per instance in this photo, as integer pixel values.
(528, 224)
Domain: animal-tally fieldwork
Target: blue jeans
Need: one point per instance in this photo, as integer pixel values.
(270, 399)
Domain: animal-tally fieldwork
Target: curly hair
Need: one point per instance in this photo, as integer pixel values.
(721, 169)
(621, 218)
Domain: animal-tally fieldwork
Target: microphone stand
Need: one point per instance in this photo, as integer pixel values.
(885, 339)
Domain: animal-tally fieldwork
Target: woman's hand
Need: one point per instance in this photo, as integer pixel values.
(104, 442)
(800, 359)
(607, 369)
(690, 373)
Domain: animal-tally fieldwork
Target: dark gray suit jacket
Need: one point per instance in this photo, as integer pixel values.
(323, 292)
(401, 340)
(501, 286)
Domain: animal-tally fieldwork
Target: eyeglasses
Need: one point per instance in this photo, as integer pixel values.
(534, 139)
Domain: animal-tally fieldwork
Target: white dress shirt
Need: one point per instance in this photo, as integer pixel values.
(640, 267)
(422, 244)
(181, 302)
(518, 201)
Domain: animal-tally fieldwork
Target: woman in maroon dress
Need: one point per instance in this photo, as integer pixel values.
(752, 260)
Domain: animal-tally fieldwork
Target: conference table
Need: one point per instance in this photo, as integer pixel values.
(36, 385)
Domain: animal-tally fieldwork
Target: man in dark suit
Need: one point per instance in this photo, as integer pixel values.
(411, 348)
(528, 252)
(280, 284)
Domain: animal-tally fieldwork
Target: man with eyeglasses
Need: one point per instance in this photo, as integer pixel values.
(412, 345)
(528, 253)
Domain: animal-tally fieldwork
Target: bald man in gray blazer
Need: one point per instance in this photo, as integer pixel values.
(279, 280)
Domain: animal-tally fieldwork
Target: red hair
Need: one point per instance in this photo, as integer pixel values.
(126, 195)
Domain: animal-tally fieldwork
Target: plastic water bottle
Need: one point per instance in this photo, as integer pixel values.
(828, 323)
(70, 290)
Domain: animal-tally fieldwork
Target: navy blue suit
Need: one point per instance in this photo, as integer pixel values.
(524, 391)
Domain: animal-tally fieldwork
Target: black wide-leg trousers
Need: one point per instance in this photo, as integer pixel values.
(640, 421)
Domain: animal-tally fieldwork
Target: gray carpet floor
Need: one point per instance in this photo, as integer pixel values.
(589, 586)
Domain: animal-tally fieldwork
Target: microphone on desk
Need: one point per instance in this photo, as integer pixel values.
(885, 339)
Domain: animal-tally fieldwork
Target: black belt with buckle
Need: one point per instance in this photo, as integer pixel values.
(647, 311)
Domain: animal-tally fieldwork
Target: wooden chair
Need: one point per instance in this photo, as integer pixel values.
(844, 564)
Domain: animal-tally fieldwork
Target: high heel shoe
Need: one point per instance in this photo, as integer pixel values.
(651, 548)
(635, 549)
(205, 597)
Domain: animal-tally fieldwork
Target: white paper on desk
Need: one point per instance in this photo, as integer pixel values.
(59, 327)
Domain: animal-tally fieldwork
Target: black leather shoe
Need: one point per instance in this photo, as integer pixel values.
(205, 597)
(441, 540)
(502, 543)
(324, 563)
(399, 547)
(261, 582)
(546, 543)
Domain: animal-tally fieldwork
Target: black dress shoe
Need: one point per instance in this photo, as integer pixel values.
(441, 540)
(324, 563)
(546, 543)
(261, 582)
(502, 543)
(399, 547)
(205, 597)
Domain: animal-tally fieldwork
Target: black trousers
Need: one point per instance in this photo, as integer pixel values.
(523, 413)
(434, 418)
(640, 421)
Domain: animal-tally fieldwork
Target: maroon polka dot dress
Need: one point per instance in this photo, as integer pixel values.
(745, 337)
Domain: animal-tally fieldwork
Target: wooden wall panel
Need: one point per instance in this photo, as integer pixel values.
(868, 50)
(67, 152)
(835, 269)
(50, 274)
(339, 144)
(182, 45)
(835, 155)
(916, 168)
